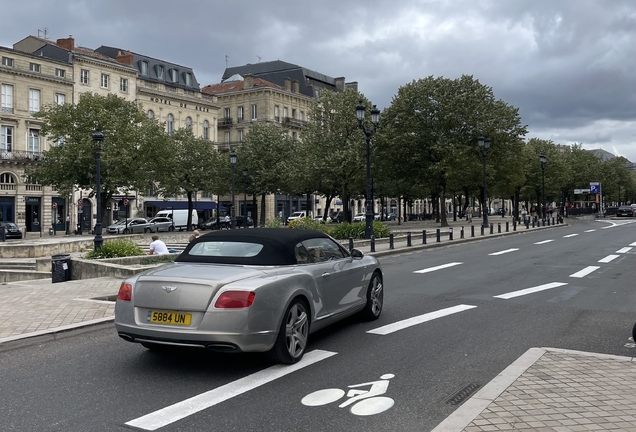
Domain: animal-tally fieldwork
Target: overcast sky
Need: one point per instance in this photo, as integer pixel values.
(568, 65)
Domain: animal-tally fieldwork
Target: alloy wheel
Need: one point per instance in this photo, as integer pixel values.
(296, 330)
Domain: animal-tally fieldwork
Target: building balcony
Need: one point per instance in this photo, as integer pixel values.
(20, 156)
(292, 122)
(228, 145)
(7, 110)
(225, 122)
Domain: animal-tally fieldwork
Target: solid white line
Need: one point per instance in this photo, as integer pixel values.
(569, 235)
(586, 271)
(590, 230)
(400, 325)
(608, 258)
(443, 266)
(530, 290)
(624, 250)
(503, 252)
(544, 242)
(190, 406)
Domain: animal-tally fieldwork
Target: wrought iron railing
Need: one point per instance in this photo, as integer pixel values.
(21, 156)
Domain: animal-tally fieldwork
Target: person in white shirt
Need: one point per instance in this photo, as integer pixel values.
(157, 247)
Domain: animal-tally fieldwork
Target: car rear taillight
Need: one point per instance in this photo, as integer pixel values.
(235, 300)
(125, 292)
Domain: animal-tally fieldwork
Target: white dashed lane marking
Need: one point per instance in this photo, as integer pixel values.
(544, 242)
(590, 230)
(530, 290)
(439, 267)
(633, 244)
(586, 271)
(504, 252)
(624, 250)
(400, 325)
(608, 258)
(570, 235)
(183, 409)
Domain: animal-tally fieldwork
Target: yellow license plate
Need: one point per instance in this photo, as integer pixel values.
(169, 317)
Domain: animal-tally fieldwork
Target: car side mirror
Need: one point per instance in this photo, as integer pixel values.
(356, 254)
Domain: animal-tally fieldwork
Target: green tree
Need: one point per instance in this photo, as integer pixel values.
(134, 145)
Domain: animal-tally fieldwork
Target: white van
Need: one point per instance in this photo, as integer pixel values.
(180, 218)
(298, 215)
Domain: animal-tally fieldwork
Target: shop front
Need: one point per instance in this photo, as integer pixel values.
(58, 213)
(7, 208)
(33, 214)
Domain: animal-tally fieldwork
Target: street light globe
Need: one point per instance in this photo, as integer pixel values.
(375, 115)
(360, 111)
(542, 159)
(233, 158)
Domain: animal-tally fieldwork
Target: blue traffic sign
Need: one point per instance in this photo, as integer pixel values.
(595, 188)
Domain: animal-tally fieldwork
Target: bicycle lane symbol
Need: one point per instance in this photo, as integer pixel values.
(362, 402)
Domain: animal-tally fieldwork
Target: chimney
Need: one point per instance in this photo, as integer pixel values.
(248, 81)
(288, 84)
(67, 43)
(352, 85)
(126, 59)
(340, 84)
(295, 86)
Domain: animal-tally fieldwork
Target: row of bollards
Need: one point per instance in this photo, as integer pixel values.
(438, 233)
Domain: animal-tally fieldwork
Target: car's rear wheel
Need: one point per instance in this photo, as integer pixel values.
(147, 230)
(291, 342)
(171, 228)
(375, 298)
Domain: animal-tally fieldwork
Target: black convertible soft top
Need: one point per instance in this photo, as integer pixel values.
(278, 245)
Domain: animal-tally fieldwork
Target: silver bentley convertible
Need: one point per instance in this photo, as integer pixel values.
(262, 289)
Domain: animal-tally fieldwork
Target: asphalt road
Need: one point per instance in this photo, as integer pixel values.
(460, 336)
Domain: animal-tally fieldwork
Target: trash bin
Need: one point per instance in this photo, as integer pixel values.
(60, 268)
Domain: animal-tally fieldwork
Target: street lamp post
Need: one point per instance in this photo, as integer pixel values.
(619, 193)
(375, 119)
(245, 224)
(484, 145)
(233, 217)
(543, 160)
(98, 138)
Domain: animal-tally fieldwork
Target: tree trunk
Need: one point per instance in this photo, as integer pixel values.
(443, 205)
(262, 210)
(255, 207)
(399, 209)
(190, 208)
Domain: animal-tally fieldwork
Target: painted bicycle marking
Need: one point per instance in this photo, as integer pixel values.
(361, 402)
(631, 343)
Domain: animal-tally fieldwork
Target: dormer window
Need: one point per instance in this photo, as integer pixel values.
(160, 72)
(188, 79)
(174, 75)
(143, 68)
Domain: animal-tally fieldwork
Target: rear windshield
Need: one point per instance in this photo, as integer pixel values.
(225, 249)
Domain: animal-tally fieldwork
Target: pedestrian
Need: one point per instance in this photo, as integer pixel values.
(226, 221)
(195, 235)
(524, 213)
(157, 247)
(469, 214)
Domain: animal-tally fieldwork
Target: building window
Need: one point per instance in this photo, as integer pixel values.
(7, 98)
(276, 113)
(60, 73)
(60, 99)
(104, 81)
(228, 113)
(160, 71)
(6, 139)
(34, 67)
(143, 68)
(206, 130)
(123, 84)
(170, 124)
(7, 178)
(285, 112)
(294, 135)
(34, 101)
(189, 122)
(302, 116)
(293, 113)
(34, 140)
(151, 114)
(241, 114)
(6, 61)
(84, 76)
(227, 137)
(254, 116)
(188, 79)
(240, 135)
(174, 75)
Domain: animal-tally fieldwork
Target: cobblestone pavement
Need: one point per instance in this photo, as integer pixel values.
(550, 389)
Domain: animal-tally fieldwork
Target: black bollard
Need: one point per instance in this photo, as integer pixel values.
(461, 233)
(423, 236)
(450, 234)
(492, 228)
(472, 230)
(439, 237)
(499, 228)
(552, 221)
(408, 239)
(507, 229)
(543, 222)
(350, 244)
(514, 225)
(372, 243)
(532, 223)
(482, 230)
(391, 241)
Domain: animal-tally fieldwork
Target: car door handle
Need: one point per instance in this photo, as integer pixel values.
(326, 275)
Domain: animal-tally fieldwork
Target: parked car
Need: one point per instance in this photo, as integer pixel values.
(11, 230)
(391, 216)
(180, 218)
(249, 291)
(135, 225)
(360, 217)
(625, 210)
(336, 217)
(323, 219)
(296, 215)
(161, 224)
(240, 221)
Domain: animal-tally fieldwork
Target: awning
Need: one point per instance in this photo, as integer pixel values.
(179, 205)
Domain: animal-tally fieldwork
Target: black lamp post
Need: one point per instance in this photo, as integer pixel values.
(98, 138)
(484, 145)
(375, 119)
(245, 224)
(233, 216)
(619, 193)
(543, 160)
